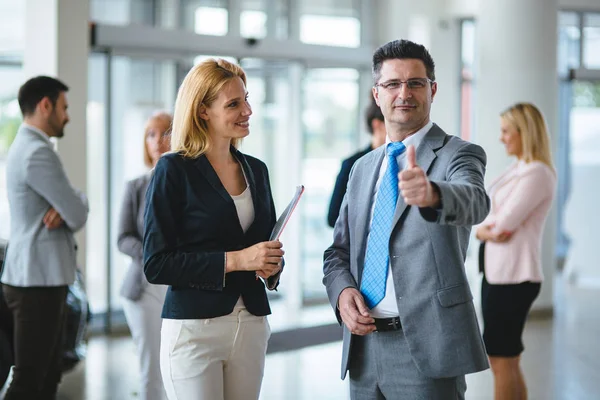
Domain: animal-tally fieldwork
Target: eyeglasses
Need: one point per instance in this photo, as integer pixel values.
(411, 84)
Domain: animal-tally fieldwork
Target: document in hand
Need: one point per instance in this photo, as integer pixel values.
(287, 213)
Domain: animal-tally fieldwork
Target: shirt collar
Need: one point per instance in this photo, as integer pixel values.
(416, 138)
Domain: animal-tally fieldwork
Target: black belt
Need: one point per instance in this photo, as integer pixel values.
(388, 324)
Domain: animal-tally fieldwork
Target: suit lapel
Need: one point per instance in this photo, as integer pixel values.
(211, 176)
(364, 200)
(426, 154)
(251, 180)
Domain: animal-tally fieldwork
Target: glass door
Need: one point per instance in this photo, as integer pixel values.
(580, 219)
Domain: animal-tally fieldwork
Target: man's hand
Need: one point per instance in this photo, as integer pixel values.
(52, 219)
(414, 186)
(354, 312)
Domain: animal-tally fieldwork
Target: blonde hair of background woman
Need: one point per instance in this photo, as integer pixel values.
(530, 123)
(201, 86)
(158, 115)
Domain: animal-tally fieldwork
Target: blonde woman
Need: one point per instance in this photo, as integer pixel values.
(511, 235)
(208, 218)
(142, 303)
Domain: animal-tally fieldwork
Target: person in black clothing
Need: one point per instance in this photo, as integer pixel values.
(208, 217)
(376, 127)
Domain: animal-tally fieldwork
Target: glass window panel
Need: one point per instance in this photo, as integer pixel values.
(569, 37)
(331, 124)
(12, 29)
(211, 21)
(120, 12)
(332, 31)
(268, 93)
(330, 22)
(96, 226)
(139, 88)
(261, 16)
(253, 24)
(591, 43)
(584, 131)
(467, 48)
(10, 119)
(467, 42)
(208, 17)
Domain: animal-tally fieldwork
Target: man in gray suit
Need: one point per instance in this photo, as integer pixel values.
(40, 263)
(395, 271)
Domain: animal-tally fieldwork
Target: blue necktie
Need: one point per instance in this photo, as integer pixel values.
(378, 256)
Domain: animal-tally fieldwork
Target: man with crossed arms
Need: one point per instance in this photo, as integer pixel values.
(395, 271)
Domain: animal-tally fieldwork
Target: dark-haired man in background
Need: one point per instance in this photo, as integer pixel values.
(395, 271)
(376, 127)
(45, 211)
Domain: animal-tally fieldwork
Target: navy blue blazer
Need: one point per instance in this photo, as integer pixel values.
(341, 183)
(190, 222)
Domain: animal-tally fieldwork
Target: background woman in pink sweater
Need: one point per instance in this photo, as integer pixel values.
(511, 238)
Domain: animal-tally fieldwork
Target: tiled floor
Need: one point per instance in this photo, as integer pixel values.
(561, 362)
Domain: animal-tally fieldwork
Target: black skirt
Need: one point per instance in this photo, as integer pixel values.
(505, 309)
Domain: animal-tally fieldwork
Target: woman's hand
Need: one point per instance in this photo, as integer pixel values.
(485, 233)
(265, 258)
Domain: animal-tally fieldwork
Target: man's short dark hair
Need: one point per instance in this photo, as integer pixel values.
(373, 112)
(35, 89)
(402, 49)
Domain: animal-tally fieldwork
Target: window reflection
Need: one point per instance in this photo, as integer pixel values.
(330, 22)
(331, 121)
(10, 119)
(591, 34)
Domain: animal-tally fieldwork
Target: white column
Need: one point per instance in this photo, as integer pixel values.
(57, 45)
(516, 55)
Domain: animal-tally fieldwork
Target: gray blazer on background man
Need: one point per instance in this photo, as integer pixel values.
(36, 181)
(131, 232)
(427, 254)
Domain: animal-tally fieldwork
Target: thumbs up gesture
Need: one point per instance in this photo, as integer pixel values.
(414, 186)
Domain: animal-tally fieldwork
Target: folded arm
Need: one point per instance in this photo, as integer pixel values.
(533, 187)
(46, 176)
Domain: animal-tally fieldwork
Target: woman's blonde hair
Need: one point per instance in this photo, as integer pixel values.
(158, 115)
(530, 123)
(201, 86)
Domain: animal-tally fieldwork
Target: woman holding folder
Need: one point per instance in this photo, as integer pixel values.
(209, 213)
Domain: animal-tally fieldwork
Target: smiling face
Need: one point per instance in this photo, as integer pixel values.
(229, 115)
(405, 110)
(510, 136)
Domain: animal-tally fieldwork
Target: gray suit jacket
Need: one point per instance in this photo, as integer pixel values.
(131, 232)
(427, 253)
(36, 181)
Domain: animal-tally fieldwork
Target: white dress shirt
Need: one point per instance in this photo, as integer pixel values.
(388, 307)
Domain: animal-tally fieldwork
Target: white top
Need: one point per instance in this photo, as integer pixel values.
(245, 211)
(245, 208)
(388, 306)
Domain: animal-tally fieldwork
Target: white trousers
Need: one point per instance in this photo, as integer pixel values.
(143, 318)
(214, 359)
